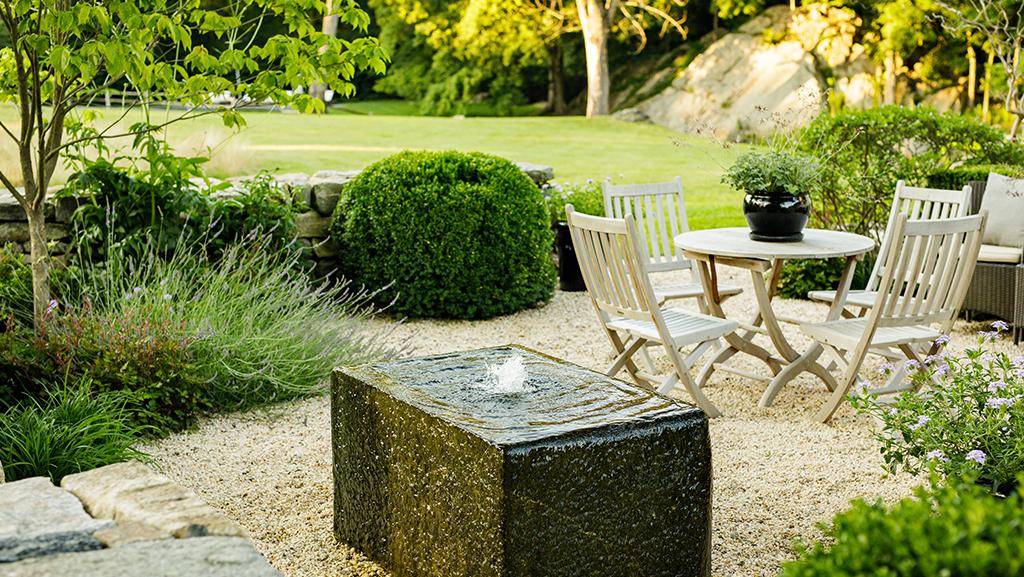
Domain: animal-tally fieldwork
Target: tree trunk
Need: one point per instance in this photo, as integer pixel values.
(594, 20)
(556, 78)
(889, 92)
(972, 74)
(330, 28)
(40, 263)
(986, 98)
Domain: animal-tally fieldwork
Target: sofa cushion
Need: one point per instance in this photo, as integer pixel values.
(1001, 254)
(1004, 201)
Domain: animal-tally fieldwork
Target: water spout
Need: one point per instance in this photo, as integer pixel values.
(507, 378)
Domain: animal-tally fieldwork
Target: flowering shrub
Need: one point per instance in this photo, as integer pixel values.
(953, 530)
(970, 422)
(585, 198)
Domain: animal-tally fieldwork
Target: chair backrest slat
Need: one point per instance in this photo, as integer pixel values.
(927, 271)
(660, 214)
(919, 204)
(613, 266)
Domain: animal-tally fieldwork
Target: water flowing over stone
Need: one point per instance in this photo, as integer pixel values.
(574, 473)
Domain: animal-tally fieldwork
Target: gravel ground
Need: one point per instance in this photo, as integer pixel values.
(776, 473)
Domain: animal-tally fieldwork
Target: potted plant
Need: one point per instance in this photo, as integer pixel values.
(585, 198)
(778, 183)
(969, 423)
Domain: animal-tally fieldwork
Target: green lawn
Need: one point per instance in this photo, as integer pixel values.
(576, 147)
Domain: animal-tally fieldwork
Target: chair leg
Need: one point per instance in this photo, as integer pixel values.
(691, 387)
(623, 359)
(843, 385)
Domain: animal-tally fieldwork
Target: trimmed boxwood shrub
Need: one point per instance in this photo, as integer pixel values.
(954, 178)
(446, 234)
(949, 531)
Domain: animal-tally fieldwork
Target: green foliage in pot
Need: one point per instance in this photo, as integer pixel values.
(585, 198)
(971, 422)
(774, 171)
(954, 530)
(446, 234)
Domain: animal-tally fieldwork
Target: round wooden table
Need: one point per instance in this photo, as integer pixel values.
(733, 247)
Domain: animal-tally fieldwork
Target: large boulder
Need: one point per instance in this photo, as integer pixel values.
(767, 76)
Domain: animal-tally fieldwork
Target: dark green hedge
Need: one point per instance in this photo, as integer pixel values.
(446, 234)
(954, 178)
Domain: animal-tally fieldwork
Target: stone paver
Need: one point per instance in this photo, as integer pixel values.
(201, 556)
(133, 493)
(129, 532)
(37, 518)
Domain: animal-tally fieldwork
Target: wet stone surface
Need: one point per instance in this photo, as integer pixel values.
(505, 462)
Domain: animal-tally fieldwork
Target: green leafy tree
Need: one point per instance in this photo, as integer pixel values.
(1001, 24)
(63, 53)
(599, 18)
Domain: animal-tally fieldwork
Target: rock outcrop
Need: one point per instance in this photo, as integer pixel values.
(768, 75)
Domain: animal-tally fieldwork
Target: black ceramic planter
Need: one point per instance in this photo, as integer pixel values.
(777, 217)
(1001, 491)
(570, 279)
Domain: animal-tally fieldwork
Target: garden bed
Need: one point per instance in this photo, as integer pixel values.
(776, 473)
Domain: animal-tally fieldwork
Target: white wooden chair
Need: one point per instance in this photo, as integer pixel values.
(614, 269)
(660, 214)
(916, 204)
(926, 274)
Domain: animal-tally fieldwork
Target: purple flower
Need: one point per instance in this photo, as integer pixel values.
(862, 386)
(50, 307)
(921, 421)
(911, 365)
(942, 370)
(977, 455)
(887, 368)
(937, 455)
(994, 386)
(989, 336)
(1000, 326)
(167, 296)
(942, 340)
(1000, 401)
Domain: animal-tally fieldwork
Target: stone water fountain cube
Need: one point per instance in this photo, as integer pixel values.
(438, 471)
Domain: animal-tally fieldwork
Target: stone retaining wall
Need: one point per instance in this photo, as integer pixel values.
(318, 195)
(119, 520)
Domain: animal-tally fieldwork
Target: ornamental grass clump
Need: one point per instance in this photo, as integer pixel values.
(259, 330)
(75, 429)
(969, 421)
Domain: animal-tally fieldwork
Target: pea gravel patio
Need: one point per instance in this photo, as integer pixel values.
(776, 473)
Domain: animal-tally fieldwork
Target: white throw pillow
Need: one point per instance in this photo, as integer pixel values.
(1004, 201)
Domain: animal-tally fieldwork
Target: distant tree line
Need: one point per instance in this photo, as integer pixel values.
(449, 53)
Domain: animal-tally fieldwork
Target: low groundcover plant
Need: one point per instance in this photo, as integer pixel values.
(969, 421)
